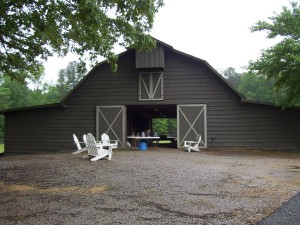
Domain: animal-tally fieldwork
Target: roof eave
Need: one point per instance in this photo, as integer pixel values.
(53, 105)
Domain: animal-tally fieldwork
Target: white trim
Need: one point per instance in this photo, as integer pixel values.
(122, 111)
(142, 83)
(152, 89)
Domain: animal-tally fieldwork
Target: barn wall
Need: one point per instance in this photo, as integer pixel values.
(47, 129)
(150, 59)
(186, 81)
(254, 126)
(229, 123)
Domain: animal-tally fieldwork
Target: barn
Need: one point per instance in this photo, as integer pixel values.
(164, 83)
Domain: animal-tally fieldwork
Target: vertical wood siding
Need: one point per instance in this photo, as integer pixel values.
(186, 81)
(150, 59)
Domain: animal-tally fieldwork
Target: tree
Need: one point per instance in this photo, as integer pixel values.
(5, 97)
(51, 94)
(164, 125)
(257, 88)
(31, 31)
(281, 62)
(68, 78)
(19, 93)
(15, 94)
(232, 76)
(4, 104)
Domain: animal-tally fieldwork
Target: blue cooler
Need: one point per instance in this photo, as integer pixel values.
(142, 146)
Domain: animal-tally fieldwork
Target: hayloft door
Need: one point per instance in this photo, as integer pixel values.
(112, 121)
(191, 122)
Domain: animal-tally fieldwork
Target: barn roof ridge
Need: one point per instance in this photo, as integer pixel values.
(243, 98)
(63, 104)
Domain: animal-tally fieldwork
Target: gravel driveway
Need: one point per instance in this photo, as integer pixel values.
(164, 186)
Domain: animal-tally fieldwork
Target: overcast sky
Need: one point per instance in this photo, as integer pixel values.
(214, 30)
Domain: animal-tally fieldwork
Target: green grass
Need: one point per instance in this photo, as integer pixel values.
(163, 142)
(1, 148)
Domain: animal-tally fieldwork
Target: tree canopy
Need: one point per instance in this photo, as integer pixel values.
(232, 76)
(257, 88)
(16, 94)
(281, 62)
(31, 31)
(68, 78)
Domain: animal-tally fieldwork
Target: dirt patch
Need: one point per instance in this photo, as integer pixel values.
(26, 188)
(161, 186)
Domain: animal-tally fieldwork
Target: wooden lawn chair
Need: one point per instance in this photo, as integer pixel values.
(97, 151)
(193, 145)
(79, 149)
(105, 142)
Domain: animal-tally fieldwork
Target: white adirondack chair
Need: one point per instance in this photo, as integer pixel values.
(193, 145)
(84, 139)
(105, 142)
(97, 151)
(79, 149)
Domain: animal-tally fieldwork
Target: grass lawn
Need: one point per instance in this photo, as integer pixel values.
(1, 148)
(163, 142)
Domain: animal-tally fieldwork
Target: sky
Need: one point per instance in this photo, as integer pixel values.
(216, 31)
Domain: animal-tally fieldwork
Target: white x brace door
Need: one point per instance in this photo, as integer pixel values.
(151, 86)
(112, 121)
(191, 122)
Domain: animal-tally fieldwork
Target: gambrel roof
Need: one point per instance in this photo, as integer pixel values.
(62, 103)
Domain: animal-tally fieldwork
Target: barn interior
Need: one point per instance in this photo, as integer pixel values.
(141, 118)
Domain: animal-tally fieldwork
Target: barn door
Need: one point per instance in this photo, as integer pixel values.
(191, 122)
(111, 120)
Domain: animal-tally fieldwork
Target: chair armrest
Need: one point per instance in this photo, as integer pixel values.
(108, 143)
(113, 141)
(109, 149)
(100, 142)
(189, 142)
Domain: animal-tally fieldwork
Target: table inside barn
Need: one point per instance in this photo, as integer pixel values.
(137, 139)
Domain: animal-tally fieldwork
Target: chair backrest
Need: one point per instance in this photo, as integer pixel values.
(91, 145)
(76, 142)
(105, 139)
(198, 140)
(84, 139)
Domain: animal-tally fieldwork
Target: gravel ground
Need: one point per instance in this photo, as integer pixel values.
(164, 186)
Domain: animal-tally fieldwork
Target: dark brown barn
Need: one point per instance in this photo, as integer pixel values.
(161, 83)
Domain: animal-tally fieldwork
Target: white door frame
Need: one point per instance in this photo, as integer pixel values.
(191, 124)
(122, 111)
